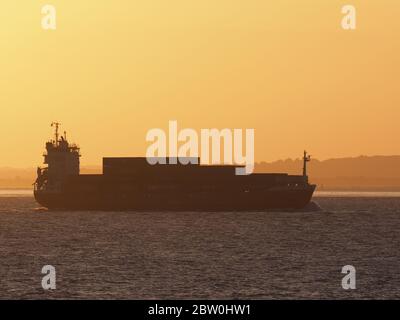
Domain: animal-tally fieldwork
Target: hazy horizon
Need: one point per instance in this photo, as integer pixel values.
(370, 173)
(90, 166)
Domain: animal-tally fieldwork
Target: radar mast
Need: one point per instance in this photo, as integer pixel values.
(306, 158)
(57, 125)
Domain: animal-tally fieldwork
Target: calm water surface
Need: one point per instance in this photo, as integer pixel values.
(210, 255)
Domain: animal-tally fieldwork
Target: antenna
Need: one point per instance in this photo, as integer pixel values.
(306, 158)
(56, 124)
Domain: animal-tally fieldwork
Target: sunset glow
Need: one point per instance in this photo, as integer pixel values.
(110, 72)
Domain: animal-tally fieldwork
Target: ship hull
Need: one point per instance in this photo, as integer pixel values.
(228, 200)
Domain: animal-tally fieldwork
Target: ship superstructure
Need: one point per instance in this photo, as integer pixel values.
(62, 160)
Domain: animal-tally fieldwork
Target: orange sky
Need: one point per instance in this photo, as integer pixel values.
(114, 69)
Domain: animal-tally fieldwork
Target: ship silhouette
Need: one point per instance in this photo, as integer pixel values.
(134, 184)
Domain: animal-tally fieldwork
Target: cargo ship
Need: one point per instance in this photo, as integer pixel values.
(132, 184)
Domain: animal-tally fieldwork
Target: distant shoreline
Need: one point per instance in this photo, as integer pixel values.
(351, 174)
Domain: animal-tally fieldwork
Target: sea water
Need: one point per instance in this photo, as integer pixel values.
(221, 255)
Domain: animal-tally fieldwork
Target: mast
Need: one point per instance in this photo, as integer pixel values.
(306, 158)
(56, 124)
